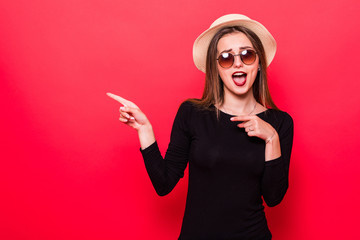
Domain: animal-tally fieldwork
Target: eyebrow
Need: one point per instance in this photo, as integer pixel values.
(241, 48)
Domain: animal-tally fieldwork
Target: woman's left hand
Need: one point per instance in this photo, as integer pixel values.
(255, 127)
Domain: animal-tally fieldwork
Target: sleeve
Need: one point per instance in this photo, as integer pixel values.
(276, 174)
(165, 172)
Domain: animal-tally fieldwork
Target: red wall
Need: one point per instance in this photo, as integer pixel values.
(70, 170)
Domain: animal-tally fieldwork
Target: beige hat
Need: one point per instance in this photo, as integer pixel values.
(201, 44)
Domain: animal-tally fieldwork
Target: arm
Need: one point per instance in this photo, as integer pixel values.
(164, 173)
(275, 179)
(278, 144)
(256, 127)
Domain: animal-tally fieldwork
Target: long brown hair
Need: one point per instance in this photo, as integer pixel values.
(214, 88)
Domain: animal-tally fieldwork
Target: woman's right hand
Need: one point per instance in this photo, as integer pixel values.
(130, 114)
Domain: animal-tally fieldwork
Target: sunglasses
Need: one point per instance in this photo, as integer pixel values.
(247, 56)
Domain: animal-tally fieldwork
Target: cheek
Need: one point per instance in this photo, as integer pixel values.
(253, 75)
(223, 74)
(254, 71)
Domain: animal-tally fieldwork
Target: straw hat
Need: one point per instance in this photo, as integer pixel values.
(201, 44)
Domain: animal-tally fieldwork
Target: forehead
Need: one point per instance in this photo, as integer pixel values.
(233, 41)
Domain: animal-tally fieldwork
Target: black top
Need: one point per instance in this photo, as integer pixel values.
(227, 173)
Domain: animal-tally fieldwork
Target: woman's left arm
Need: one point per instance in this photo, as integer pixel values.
(256, 127)
(275, 181)
(278, 147)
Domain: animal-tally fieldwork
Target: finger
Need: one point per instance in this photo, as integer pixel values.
(241, 118)
(129, 110)
(124, 120)
(124, 114)
(247, 124)
(127, 120)
(125, 109)
(248, 129)
(117, 98)
(121, 100)
(132, 119)
(252, 134)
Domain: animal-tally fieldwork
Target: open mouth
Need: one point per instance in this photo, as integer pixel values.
(239, 78)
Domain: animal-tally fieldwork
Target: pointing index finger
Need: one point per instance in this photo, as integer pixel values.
(117, 98)
(121, 100)
(241, 118)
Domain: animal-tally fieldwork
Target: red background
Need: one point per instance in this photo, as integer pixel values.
(70, 170)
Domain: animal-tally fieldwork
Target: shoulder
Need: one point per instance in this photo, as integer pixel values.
(187, 104)
(278, 115)
(185, 109)
(279, 119)
(193, 112)
(190, 105)
(283, 115)
(186, 116)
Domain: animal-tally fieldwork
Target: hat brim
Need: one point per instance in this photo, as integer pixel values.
(201, 44)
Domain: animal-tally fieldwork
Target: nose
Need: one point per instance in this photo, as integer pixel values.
(237, 61)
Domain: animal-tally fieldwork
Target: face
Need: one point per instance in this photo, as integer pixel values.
(239, 78)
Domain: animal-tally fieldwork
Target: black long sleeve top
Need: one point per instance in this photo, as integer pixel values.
(228, 174)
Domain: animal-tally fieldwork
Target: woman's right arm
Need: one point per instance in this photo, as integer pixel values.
(164, 173)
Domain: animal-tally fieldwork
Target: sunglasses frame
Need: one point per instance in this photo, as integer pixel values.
(240, 55)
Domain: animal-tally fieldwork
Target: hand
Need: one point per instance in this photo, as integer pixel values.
(130, 114)
(256, 127)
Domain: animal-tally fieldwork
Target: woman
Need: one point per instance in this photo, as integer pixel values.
(236, 141)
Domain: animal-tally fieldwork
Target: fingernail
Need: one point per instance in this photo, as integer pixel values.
(122, 108)
(132, 118)
(231, 119)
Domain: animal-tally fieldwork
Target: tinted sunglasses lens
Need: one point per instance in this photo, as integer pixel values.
(226, 60)
(248, 56)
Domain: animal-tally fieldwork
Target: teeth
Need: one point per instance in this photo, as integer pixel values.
(238, 74)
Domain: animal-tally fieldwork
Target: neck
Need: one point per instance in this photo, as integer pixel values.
(239, 105)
